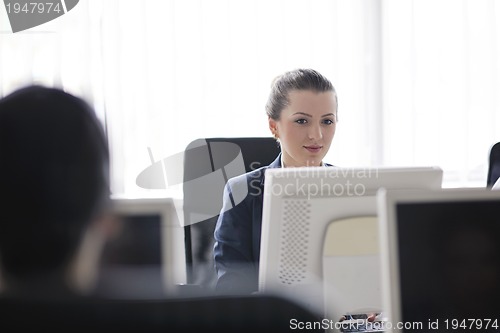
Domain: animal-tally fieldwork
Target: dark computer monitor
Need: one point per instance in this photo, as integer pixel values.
(440, 259)
(143, 257)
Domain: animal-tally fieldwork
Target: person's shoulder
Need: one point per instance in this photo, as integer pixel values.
(248, 177)
(243, 189)
(496, 186)
(254, 179)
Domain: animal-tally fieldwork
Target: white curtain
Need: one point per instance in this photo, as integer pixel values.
(441, 84)
(416, 80)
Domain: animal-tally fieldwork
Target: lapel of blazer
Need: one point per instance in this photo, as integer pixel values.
(275, 164)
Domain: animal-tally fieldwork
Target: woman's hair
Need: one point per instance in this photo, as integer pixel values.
(299, 79)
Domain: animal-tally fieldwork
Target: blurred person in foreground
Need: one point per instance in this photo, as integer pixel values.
(54, 194)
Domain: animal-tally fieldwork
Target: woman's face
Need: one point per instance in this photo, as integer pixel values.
(306, 127)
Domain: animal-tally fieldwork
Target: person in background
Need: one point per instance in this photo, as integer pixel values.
(302, 116)
(54, 194)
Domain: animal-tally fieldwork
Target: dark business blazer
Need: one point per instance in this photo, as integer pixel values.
(238, 231)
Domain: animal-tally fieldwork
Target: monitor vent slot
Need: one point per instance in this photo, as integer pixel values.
(294, 241)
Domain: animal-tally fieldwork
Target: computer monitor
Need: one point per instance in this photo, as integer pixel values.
(299, 206)
(144, 257)
(441, 259)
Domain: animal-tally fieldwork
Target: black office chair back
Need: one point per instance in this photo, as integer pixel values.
(494, 165)
(208, 164)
